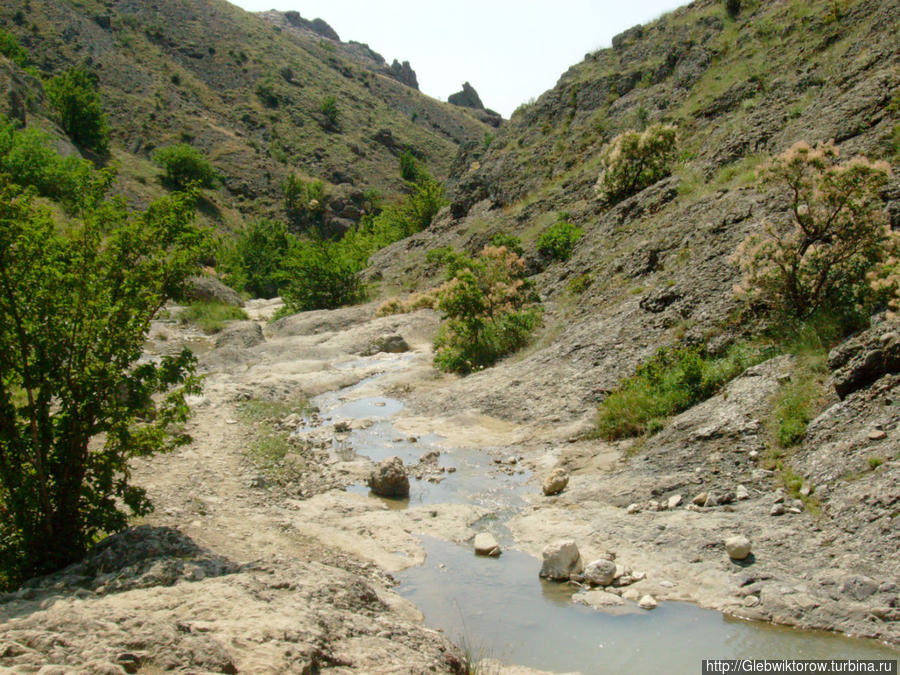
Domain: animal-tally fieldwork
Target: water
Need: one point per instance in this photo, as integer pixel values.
(500, 608)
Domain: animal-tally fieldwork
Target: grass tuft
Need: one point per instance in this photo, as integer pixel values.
(210, 317)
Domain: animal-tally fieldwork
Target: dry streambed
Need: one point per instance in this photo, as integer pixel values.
(287, 567)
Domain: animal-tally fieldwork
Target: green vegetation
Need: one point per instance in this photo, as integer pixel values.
(558, 241)
(409, 167)
(875, 462)
(331, 114)
(11, 49)
(304, 201)
(733, 8)
(270, 446)
(75, 403)
(489, 308)
(254, 262)
(673, 380)
(635, 160)
(29, 158)
(511, 242)
(836, 236)
(321, 274)
(184, 166)
(210, 317)
(74, 96)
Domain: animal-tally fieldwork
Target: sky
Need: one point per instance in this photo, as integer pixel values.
(510, 52)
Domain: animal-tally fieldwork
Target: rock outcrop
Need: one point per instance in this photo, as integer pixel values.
(403, 72)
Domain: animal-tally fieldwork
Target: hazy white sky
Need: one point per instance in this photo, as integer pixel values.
(509, 51)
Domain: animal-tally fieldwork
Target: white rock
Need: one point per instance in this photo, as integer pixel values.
(556, 482)
(738, 547)
(485, 544)
(598, 599)
(741, 493)
(631, 594)
(633, 508)
(647, 602)
(561, 559)
(600, 572)
(674, 501)
(753, 454)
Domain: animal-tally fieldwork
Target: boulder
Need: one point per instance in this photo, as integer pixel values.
(738, 547)
(860, 361)
(485, 544)
(244, 335)
(598, 599)
(389, 479)
(556, 482)
(600, 572)
(209, 289)
(391, 344)
(647, 602)
(561, 559)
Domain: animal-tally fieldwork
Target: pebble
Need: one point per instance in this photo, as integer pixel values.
(633, 508)
(754, 454)
(738, 547)
(674, 501)
(485, 544)
(648, 602)
(741, 493)
(777, 510)
(877, 435)
(700, 499)
(631, 594)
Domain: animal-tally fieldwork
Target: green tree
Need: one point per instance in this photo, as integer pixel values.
(834, 233)
(74, 96)
(75, 401)
(636, 160)
(320, 274)
(331, 114)
(409, 167)
(11, 49)
(261, 248)
(185, 165)
(489, 308)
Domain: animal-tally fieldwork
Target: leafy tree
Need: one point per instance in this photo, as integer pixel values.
(11, 49)
(489, 308)
(558, 241)
(834, 233)
(636, 160)
(331, 114)
(184, 166)
(320, 274)
(75, 402)
(74, 96)
(261, 249)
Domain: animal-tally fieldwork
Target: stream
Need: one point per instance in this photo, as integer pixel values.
(499, 607)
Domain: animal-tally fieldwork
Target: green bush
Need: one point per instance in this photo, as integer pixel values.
(185, 165)
(558, 241)
(305, 202)
(29, 157)
(210, 317)
(331, 114)
(76, 401)
(830, 240)
(489, 308)
(75, 98)
(260, 251)
(636, 160)
(673, 380)
(11, 49)
(320, 274)
(409, 168)
(511, 242)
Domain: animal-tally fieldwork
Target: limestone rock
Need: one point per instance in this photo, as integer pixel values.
(389, 479)
(647, 602)
(741, 493)
(391, 344)
(700, 499)
(862, 360)
(485, 544)
(561, 559)
(467, 98)
(738, 547)
(598, 599)
(403, 73)
(556, 482)
(600, 572)
(209, 289)
(674, 501)
(244, 335)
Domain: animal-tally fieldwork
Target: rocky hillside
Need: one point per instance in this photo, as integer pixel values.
(245, 89)
(655, 267)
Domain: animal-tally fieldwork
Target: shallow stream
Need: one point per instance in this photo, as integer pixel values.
(500, 608)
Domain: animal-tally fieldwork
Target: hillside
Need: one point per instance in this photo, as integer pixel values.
(244, 91)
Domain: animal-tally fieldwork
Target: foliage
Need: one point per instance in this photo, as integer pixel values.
(331, 114)
(489, 309)
(75, 402)
(27, 155)
(733, 8)
(321, 274)
(635, 160)
(511, 242)
(185, 165)
(210, 317)
(259, 253)
(674, 379)
(835, 234)
(409, 167)
(74, 96)
(11, 49)
(304, 201)
(558, 241)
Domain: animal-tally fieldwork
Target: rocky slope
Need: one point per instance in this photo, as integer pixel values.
(243, 88)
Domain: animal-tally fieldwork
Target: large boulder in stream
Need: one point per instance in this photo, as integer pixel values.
(389, 479)
(561, 559)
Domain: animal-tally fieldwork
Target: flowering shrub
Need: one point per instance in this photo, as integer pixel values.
(635, 160)
(489, 308)
(826, 252)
